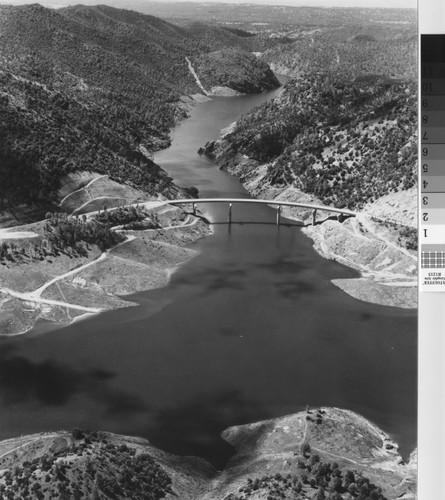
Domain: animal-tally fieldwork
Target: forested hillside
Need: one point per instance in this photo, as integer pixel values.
(222, 37)
(347, 143)
(237, 70)
(350, 51)
(91, 88)
(344, 129)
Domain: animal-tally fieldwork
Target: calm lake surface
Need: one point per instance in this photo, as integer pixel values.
(250, 329)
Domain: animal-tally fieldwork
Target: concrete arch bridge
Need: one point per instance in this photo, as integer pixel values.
(342, 213)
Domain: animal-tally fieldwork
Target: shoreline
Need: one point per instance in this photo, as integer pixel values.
(380, 261)
(266, 448)
(102, 283)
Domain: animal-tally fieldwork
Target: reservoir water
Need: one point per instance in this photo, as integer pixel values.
(252, 328)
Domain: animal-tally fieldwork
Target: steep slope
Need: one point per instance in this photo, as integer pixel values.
(346, 143)
(76, 97)
(237, 70)
(88, 88)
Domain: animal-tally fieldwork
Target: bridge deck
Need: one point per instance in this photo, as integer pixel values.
(264, 202)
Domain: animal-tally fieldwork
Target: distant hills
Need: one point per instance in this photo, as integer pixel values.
(287, 15)
(94, 88)
(349, 50)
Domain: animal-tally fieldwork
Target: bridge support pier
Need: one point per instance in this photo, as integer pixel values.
(230, 213)
(314, 217)
(279, 215)
(194, 208)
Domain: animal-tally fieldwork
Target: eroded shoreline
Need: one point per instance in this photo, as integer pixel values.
(69, 288)
(364, 243)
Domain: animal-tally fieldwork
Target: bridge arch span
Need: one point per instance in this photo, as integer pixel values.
(315, 208)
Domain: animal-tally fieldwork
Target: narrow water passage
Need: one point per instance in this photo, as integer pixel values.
(252, 328)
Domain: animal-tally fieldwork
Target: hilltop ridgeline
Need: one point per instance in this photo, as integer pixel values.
(310, 454)
(97, 89)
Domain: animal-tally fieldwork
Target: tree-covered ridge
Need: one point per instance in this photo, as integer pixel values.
(46, 135)
(217, 37)
(87, 466)
(88, 88)
(238, 70)
(313, 479)
(347, 143)
(361, 53)
(93, 57)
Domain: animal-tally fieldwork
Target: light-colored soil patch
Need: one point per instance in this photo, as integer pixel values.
(361, 249)
(88, 295)
(86, 192)
(10, 234)
(106, 187)
(26, 277)
(122, 277)
(400, 207)
(74, 181)
(15, 316)
(360, 442)
(153, 253)
(178, 236)
(99, 204)
(223, 91)
(380, 293)
(64, 287)
(389, 272)
(75, 200)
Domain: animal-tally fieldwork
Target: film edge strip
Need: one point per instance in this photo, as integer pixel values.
(432, 164)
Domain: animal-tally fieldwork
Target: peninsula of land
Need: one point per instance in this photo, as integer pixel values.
(310, 454)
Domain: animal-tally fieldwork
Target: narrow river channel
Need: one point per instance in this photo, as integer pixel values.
(250, 329)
